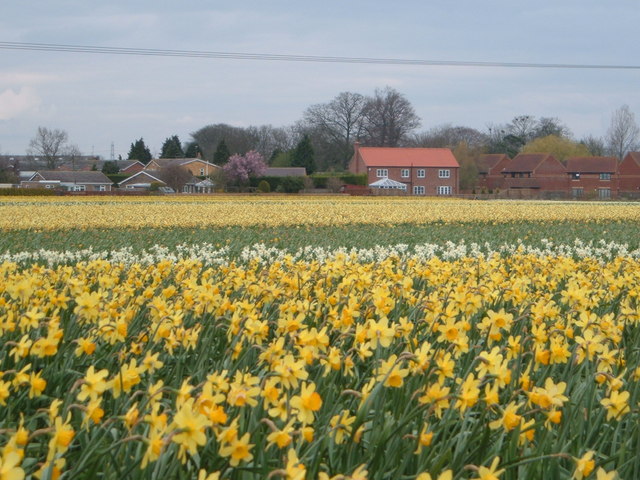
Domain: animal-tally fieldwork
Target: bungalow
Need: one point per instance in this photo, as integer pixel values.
(424, 171)
(532, 173)
(593, 175)
(72, 181)
(144, 179)
(196, 166)
(629, 175)
(140, 181)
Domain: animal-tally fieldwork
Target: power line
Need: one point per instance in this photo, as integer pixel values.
(52, 47)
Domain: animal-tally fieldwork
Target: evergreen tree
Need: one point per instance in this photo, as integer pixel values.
(193, 150)
(303, 155)
(222, 154)
(171, 148)
(139, 151)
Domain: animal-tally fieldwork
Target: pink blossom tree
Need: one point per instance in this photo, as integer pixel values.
(240, 168)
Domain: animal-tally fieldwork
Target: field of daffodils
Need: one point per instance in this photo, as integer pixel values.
(451, 361)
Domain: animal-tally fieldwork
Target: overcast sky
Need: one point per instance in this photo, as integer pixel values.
(100, 99)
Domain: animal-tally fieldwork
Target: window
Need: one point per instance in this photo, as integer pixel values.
(79, 188)
(605, 176)
(575, 176)
(577, 192)
(418, 190)
(444, 190)
(604, 193)
(444, 173)
(130, 187)
(382, 173)
(102, 188)
(201, 171)
(404, 173)
(421, 173)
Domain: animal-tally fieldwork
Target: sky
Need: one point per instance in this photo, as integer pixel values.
(102, 100)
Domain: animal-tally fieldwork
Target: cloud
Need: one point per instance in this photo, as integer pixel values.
(14, 104)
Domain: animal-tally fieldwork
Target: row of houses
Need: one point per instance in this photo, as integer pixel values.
(195, 177)
(542, 175)
(138, 176)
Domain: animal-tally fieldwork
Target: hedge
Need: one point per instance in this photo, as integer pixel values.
(320, 179)
(28, 192)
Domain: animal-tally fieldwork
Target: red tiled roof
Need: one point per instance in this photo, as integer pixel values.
(407, 157)
(635, 156)
(487, 161)
(592, 165)
(525, 162)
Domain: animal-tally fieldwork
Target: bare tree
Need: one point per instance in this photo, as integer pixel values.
(624, 133)
(50, 144)
(595, 145)
(340, 122)
(524, 127)
(448, 136)
(388, 118)
(551, 126)
(175, 176)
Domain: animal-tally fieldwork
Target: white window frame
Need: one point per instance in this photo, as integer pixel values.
(605, 176)
(604, 193)
(422, 173)
(444, 173)
(129, 187)
(202, 171)
(79, 188)
(419, 190)
(445, 190)
(404, 173)
(102, 188)
(382, 173)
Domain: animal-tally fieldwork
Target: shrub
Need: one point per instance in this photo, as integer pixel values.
(292, 184)
(264, 186)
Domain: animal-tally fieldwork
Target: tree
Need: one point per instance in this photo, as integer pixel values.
(139, 151)
(303, 155)
(388, 118)
(175, 176)
(192, 151)
(240, 168)
(551, 126)
(448, 136)
(110, 167)
(468, 168)
(624, 133)
(50, 144)
(595, 145)
(222, 153)
(8, 171)
(339, 122)
(560, 147)
(171, 148)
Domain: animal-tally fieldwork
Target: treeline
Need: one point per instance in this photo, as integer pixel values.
(322, 140)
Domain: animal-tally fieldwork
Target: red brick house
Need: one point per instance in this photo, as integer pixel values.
(593, 177)
(490, 168)
(629, 175)
(424, 171)
(530, 174)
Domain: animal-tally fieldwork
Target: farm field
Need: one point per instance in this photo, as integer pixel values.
(468, 341)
